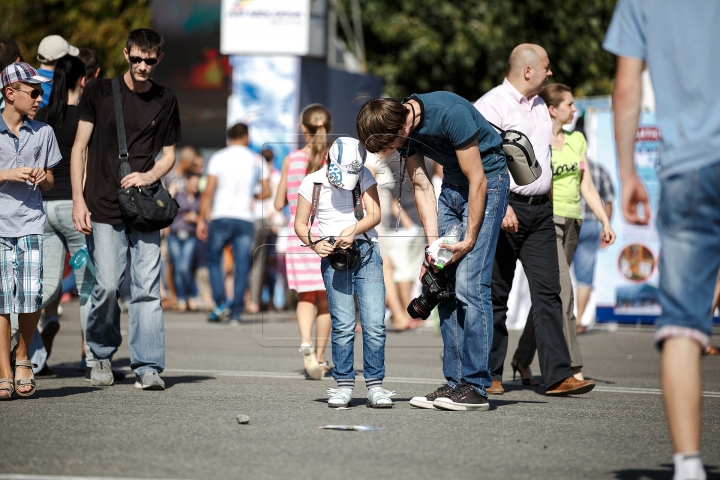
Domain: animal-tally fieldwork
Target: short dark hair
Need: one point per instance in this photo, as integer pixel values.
(146, 40)
(237, 131)
(91, 61)
(378, 123)
(9, 52)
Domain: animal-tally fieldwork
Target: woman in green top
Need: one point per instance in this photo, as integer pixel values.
(569, 162)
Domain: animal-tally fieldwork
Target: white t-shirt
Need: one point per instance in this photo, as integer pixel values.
(335, 210)
(238, 171)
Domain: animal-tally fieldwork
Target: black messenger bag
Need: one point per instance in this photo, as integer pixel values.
(148, 208)
(520, 156)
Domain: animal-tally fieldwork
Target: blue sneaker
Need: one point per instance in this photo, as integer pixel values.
(218, 313)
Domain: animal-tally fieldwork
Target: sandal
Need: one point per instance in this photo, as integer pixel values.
(6, 389)
(24, 382)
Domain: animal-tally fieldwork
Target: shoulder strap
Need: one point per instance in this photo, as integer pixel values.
(315, 197)
(501, 130)
(359, 214)
(122, 142)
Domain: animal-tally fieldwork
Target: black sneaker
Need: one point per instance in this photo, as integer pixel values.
(45, 372)
(463, 398)
(427, 400)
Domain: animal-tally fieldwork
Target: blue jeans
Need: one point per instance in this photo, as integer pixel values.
(689, 227)
(466, 324)
(109, 246)
(364, 282)
(239, 234)
(586, 253)
(182, 252)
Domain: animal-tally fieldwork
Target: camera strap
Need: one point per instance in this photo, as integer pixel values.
(313, 212)
(357, 201)
(403, 166)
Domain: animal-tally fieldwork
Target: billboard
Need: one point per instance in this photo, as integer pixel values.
(273, 27)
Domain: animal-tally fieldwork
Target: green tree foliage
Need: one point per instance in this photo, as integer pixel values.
(425, 45)
(102, 25)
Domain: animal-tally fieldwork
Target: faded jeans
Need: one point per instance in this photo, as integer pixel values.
(466, 324)
(109, 246)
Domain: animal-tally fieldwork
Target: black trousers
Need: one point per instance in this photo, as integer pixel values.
(536, 246)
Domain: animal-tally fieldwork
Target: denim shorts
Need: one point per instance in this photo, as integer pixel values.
(21, 274)
(583, 263)
(689, 227)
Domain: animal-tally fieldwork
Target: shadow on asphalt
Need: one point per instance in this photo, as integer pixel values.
(179, 380)
(665, 473)
(62, 392)
(360, 402)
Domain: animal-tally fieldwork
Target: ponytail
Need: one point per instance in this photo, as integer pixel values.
(318, 121)
(67, 72)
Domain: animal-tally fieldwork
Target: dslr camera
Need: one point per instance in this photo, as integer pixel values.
(344, 259)
(437, 288)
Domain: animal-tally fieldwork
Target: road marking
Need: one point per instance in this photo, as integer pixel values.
(20, 476)
(410, 380)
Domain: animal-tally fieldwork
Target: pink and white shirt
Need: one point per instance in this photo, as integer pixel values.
(510, 110)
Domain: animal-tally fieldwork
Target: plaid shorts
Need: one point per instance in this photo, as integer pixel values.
(21, 274)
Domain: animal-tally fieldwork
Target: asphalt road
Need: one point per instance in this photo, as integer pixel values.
(216, 372)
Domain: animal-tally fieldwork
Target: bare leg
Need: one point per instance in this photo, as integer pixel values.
(681, 378)
(322, 326)
(5, 371)
(306, 315)
(27, 323)
(400, 318)
(583, 296)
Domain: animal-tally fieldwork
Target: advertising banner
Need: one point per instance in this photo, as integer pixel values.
(281, 27)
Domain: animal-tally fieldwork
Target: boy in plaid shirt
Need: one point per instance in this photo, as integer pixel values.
(28, 151)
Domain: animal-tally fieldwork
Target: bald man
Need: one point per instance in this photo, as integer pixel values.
(528, 230)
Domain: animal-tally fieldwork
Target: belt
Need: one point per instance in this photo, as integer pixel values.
(532, 200)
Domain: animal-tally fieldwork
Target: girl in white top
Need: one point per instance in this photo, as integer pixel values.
(330, 194)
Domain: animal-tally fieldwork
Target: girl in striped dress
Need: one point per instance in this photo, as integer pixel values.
(302, 264)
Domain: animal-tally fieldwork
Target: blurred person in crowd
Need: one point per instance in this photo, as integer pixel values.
(61, 236)
(591, 239)
(406, 249)
(569, 161)
(710, 350)
(267, 221)
(182, 242)
(9, 53)
(528, 231)
(175, 180)
(302, 266)
(28, 152)
(91, 61)
(226, 216)
(677, 42)
(152, 123)
(447, 129)
(51, 49)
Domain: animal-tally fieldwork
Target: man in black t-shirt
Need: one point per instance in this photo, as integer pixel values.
(152, 125)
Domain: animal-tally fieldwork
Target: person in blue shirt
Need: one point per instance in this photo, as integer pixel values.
(677, 42)
(449, 130)
(51, 49)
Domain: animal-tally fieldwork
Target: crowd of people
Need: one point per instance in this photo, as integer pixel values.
(341, 258)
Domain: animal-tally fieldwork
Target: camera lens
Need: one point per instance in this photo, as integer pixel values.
(339, 260)
(420, 308)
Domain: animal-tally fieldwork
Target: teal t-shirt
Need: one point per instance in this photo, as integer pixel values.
(449, 122)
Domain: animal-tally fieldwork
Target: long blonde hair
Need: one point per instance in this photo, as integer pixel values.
(318, 121)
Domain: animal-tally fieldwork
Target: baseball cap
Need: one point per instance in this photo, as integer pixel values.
(54, 47)
(20, 72)
(347, 158)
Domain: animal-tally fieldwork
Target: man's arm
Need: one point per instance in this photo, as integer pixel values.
(159, 170)
(471, 165)
(626, 107)
(206, 200)
(265, 192)
(424, 195)
(78, 162)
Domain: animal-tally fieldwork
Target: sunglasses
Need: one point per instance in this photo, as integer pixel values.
(33, 93)
(139, 60)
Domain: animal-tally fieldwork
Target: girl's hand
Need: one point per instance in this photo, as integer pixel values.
(323, 249)
(607, 237)
(346, 237)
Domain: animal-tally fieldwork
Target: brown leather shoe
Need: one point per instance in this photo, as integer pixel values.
(571, 386)
(496, 388)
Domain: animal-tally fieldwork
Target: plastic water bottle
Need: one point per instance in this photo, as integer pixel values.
(80, 258)
(452, 235)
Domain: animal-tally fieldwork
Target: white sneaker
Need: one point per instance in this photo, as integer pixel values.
(378, 397)
(339, 397)
(312, 367)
